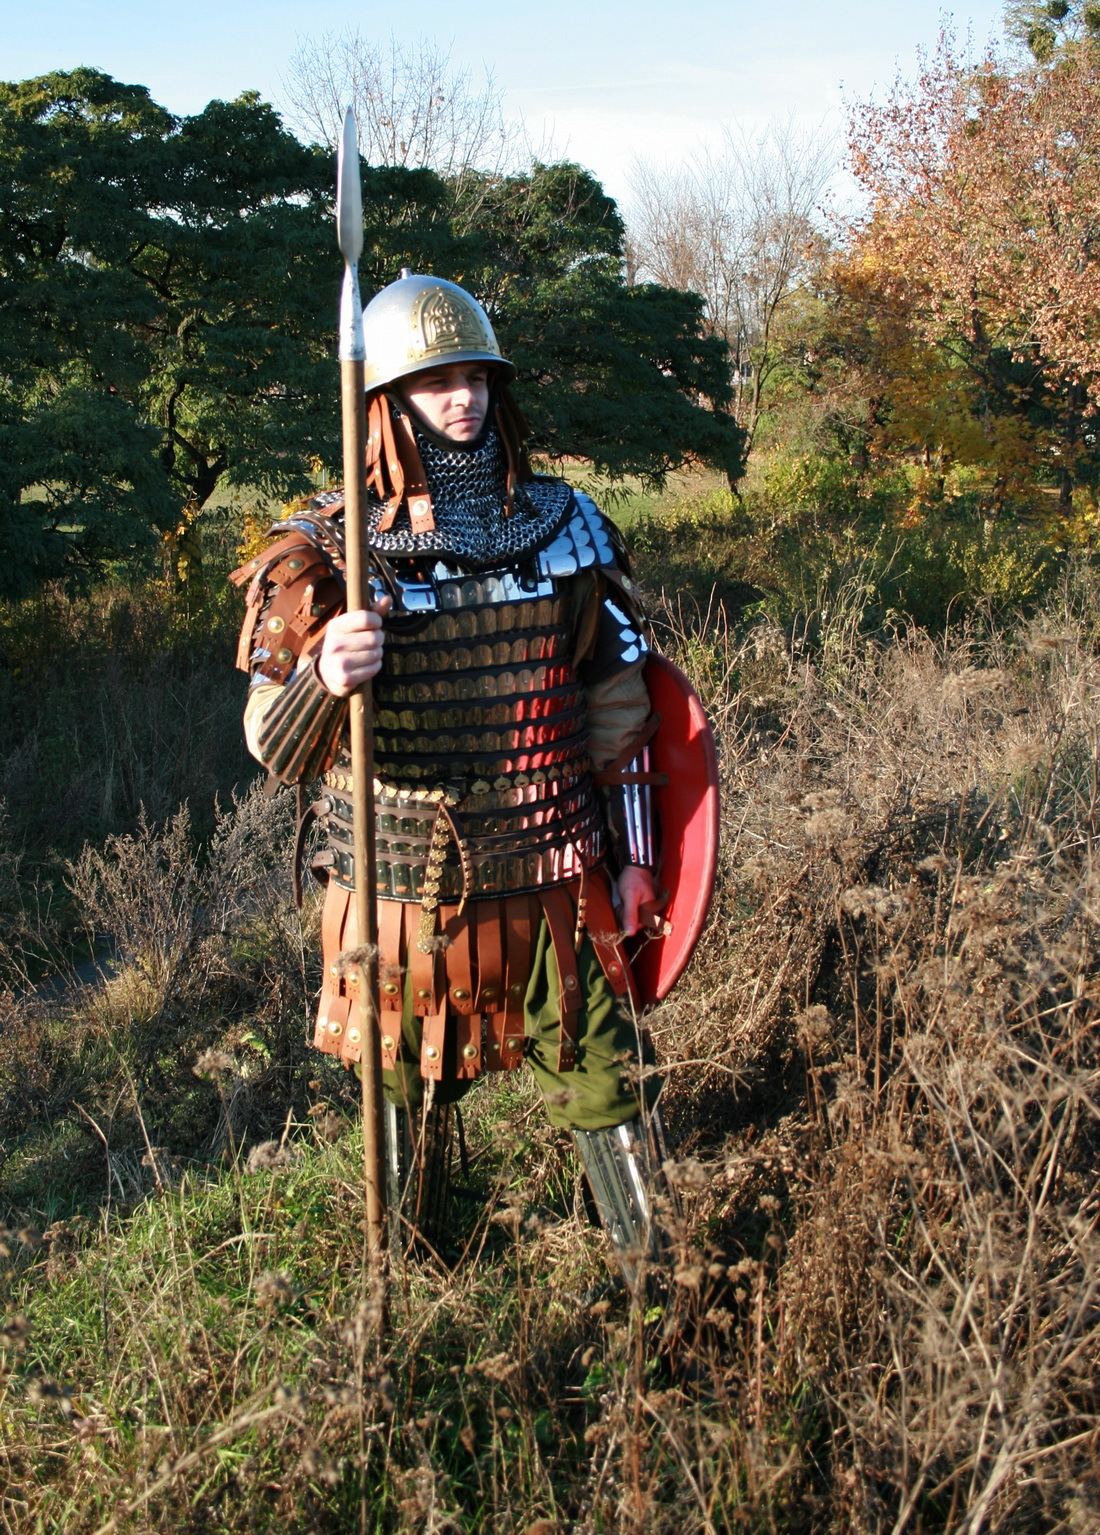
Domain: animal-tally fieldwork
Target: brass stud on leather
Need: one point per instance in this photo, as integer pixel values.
(335, 1028)
(432, 1053)
(489, 993)
(387, 1041)
(469, 1051)
(354, 1036)
(294, 564)
(516, 989)
(513, 1044)
(423, 994)
(334, 970)
(276, 624)
(391, 988)
(284, 655)
(460, 994)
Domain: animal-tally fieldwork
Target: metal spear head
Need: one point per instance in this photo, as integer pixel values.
(349, 236)
(349, 193)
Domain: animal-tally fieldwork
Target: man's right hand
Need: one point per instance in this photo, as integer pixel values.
(352, 651)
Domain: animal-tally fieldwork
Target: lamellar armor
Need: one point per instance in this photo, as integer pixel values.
(509, 629)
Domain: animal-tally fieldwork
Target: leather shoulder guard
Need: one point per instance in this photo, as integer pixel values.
(295, 587)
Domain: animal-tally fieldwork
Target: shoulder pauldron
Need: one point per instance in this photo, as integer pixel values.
(295, 587)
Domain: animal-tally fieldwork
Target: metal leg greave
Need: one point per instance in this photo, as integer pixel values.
(623, 1165)
(419, 1157)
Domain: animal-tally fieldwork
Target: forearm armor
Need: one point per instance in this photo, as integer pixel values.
(301, 731)
(627, 785)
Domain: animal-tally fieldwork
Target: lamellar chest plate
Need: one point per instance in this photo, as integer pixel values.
(480, 732)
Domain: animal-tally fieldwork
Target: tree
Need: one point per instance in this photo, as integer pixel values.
(167, 310)
(1047, 27)
(984, 186)
(738, 228)
(623, 375)
(413, 109)
(79, 478)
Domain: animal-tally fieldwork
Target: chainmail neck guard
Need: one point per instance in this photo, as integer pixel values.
(468, 488)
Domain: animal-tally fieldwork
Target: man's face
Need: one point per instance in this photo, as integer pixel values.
(451, 399)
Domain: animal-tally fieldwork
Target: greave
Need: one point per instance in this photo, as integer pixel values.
(623, 1165)
(419, 1154)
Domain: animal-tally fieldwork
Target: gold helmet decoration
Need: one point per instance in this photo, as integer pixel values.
(422, 322)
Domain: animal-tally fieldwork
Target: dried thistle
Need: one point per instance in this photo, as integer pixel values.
(214, 1063)
(273, 1288)
(271, 1156)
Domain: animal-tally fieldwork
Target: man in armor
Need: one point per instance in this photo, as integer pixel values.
(514, 827)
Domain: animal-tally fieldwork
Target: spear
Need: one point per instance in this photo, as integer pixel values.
(349, 235)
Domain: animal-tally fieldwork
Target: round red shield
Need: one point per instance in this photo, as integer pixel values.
(687, 820)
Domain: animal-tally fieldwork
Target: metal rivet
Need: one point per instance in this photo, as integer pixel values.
(423, 995)
(276, 624)
(614, 970)
(489, 993)
(335, 1027)
(460, 994)
(294, 564)
(334, 970)
(391, 988)
(516, 991)
(469, 1051)
(284, 655)
(353, 1035)
(432, 1053)
(513, 1044)
(570, 983)
(387, 1041)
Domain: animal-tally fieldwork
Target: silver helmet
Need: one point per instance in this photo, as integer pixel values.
(420, 322)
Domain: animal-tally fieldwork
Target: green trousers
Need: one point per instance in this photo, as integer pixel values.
(598, 1092)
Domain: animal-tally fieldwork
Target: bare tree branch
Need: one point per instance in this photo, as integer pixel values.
(412, 106)
(737, 226)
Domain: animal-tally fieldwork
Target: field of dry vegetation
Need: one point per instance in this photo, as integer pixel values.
(882, 1311)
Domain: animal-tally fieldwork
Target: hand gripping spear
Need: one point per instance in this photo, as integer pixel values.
(349, 235)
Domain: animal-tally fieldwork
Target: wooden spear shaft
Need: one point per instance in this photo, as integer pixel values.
(349, 228)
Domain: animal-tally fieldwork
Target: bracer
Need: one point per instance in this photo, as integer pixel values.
(301, 731)
(627, 784)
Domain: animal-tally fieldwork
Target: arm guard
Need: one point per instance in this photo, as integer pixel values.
(299, 735)
(627, 785)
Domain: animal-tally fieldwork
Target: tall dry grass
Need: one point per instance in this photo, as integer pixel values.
(881, 1311)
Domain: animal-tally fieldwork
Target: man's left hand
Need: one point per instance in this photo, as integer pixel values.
(635, 888)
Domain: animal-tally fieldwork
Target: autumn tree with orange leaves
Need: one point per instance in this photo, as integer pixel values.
(975, 276)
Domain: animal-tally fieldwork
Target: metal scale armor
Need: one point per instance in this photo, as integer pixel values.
(483, 791)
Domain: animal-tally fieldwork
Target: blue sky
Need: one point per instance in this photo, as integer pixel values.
(604, 80)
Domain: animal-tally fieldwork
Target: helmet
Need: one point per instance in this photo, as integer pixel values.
(420, 322)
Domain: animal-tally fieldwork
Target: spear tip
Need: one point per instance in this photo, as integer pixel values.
(349, 192)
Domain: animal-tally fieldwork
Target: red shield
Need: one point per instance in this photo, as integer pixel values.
(687, 820)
